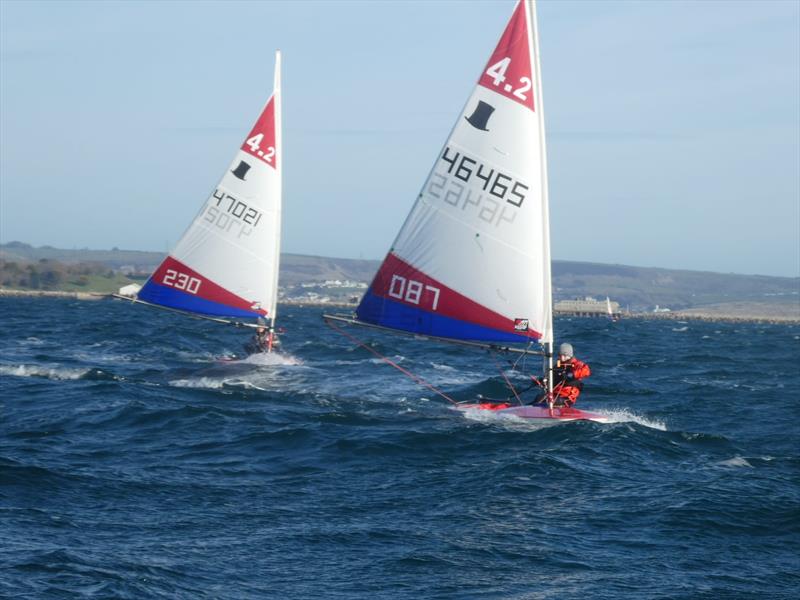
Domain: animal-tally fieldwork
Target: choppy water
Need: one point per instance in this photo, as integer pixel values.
(133, 464)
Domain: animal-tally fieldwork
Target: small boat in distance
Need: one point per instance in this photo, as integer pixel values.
(610, 311)
(225, 266)
(471, 264)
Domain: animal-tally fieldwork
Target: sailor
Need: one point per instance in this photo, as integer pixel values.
(567, 375)
(259, 342)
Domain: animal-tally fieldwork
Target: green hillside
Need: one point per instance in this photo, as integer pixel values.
(636, 288)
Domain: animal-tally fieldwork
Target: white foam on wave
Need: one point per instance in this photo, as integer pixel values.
(272, 359)
(622, 415)
(49, 372)
(613, 416)
(513, 421)
(736, 461)
(439, 367)
(101, 357)
(213, 383)
(398, 358)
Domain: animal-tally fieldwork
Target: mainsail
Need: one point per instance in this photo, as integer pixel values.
(226, 263)
(472, 261)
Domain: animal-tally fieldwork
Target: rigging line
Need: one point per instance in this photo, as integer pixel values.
(522, 358)
(508, 383)
(406, 372)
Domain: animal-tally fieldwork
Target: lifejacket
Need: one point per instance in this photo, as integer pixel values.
(569, 390)
(580, 370)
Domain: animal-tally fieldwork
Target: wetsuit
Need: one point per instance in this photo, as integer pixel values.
(258, 343)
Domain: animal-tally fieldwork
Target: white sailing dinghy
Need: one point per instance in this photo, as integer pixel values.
(225, 267)
(471, 264)
(609, 310)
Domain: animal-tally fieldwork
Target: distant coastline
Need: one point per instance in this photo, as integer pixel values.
(743, 314)
(578, 287)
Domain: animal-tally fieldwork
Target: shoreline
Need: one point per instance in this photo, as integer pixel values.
(9, 293)
(691, 314)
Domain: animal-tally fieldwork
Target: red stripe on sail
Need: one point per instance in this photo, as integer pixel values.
(399, 281)
(173, 273)
(260, 142)
(508, 71)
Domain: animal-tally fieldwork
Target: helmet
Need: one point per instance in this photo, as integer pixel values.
(565, 349)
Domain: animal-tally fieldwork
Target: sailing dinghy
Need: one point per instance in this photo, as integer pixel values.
(225, 267)
(471, 264)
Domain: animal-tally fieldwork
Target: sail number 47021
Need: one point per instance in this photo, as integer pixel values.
(181, 281)
(413, 291)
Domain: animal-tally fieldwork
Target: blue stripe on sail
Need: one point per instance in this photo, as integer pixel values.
(172, 298)
(395, 315)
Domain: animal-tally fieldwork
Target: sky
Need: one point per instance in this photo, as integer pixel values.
(673, 127)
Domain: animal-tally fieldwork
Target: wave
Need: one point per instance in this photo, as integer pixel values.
(736, 461)
(439, 367)
(48, 372)
(272, 359)
(214, 383)
(625, 416)
(613, 416)
(511, 421)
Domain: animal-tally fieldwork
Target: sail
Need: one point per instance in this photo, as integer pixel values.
(226, 263)
(472, 261)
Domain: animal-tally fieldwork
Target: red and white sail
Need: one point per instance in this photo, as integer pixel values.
(472, 261)
(226, 263)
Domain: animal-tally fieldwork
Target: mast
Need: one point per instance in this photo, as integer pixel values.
(547, 334)
(279, 145)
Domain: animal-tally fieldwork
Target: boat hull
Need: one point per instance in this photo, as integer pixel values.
(541, 413)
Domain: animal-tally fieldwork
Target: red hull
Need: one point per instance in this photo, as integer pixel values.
(539, 412)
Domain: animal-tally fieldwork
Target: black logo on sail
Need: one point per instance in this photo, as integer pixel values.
(480, 116)
(241, 170)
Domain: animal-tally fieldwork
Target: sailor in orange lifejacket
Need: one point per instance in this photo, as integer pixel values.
(567, 374)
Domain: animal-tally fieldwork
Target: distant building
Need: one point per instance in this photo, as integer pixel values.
(587, 307)
(130, 290)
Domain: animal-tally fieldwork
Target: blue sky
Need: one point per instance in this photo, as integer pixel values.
(673, 127)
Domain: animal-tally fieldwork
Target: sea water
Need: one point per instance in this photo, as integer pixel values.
(134, 463)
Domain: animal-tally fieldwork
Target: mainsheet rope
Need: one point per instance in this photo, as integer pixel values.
(387, 360)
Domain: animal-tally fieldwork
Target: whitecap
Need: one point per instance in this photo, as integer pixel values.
(396, 358)
(736, 461)
(212, 383)
(624, 416)
(271, 359)
(512, 421)
(439, 367)
(50, 372)
(201, 382)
